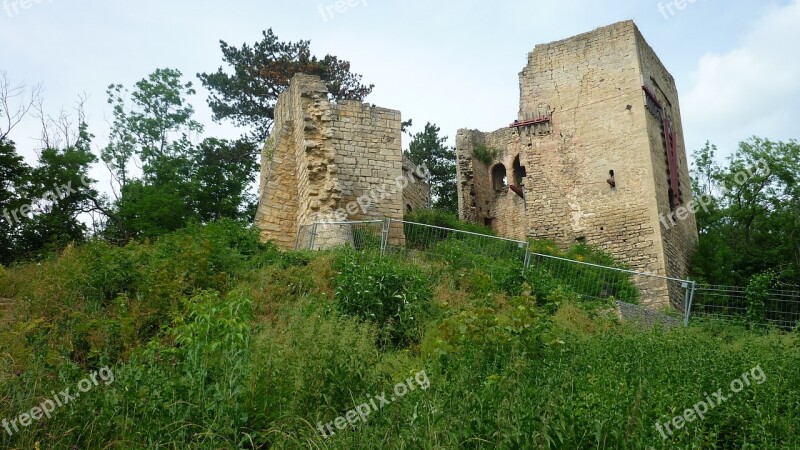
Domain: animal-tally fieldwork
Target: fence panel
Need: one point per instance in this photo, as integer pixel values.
(594, 281)
(303, 239)
(415, 240)
(779, 308)
(360, 235)
(458, 248)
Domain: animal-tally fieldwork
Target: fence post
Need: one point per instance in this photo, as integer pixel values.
(527, 261)
(689, 300)
(387, 223)
(297, 237)
(313, 236)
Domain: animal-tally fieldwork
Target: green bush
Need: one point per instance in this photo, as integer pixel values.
(484, 154)
(422, 238)
(386, 291)
(195, 368)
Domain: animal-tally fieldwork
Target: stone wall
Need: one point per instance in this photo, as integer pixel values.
(588, 92)
(678, 234)
(417, 194)
(322, 157)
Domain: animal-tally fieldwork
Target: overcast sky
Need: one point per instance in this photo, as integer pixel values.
(736, 63)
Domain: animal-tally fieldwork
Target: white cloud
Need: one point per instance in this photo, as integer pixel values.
(751, 89)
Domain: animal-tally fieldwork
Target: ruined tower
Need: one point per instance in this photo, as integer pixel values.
(596, 155)
(329, 161)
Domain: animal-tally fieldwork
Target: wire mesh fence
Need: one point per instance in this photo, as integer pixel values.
(780, 308)
(638, 295)
(594, 281)
(416, 240)
(360, 235)
(464, 249)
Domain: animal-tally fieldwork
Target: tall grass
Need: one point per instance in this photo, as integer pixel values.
(217, 341)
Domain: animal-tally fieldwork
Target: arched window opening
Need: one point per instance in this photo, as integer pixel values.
(519, 173)
(499, 177)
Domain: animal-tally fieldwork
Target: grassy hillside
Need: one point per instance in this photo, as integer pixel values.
(208, 339)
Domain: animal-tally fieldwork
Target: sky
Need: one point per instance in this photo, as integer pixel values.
(456, 64)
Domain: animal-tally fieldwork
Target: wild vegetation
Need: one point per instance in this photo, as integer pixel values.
(216, 340)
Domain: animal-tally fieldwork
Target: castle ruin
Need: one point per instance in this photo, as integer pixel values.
(329, 162)
(596, 155)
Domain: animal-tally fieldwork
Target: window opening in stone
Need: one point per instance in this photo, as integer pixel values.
(519, 173)
(499, 177)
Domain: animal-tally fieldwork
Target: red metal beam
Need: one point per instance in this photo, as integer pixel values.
(670, 137)
(525, 123)
(652, 96)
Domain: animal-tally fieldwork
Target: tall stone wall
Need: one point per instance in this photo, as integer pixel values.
(677, 222)
(587, 91)
(323, 156)
(417, 194)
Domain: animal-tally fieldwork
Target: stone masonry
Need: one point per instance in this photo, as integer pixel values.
(596, 155)
(417, 195)
(323, 157)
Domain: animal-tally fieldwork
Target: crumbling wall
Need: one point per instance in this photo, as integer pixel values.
(417, 194)
(594, 169)
(497, 207)
(322, 158)
(677, 225)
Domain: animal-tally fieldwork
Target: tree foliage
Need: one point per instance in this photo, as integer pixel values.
(429, 149)
(180, 181)
(752, 222)
(13, 176)
(261, 72)
(41, 205)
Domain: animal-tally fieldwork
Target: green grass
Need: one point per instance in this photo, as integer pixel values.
(218, 341)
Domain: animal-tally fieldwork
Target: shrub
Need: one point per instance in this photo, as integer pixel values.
(422, 238)
(386, 291)
(484, 154)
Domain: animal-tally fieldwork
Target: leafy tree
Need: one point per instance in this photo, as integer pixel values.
(428, 148)
(180, 181)
(221, 172)
(121, 141)
(59, 191)
(14, 175)
(147, 210)
(752, 222)
(261, 72)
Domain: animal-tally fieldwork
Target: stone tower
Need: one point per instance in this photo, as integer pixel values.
(329, 161)
(596, 155)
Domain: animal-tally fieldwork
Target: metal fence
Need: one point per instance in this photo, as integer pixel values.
(600, 282)
(417, 241)
(635, 293)
(361, 235)
(780, 308)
